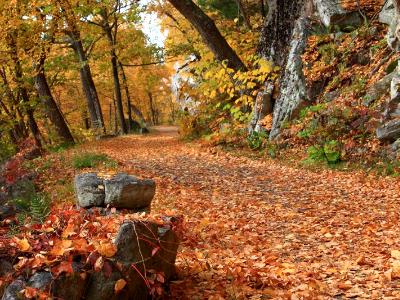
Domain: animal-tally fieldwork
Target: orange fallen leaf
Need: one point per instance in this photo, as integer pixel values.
(60, 247)
(344, 286)
(64, 266)
(30, 292)
(22, 244)
(106, 249)
(69, 230)
(119, 285)
(395, 254)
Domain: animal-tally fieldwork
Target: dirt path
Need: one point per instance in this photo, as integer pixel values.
(260, 230)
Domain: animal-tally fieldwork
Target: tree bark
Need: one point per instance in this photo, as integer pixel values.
(14, 112)
(209, 32)
(117, 85)
(152, 109)
(130, 106)
(88, 85)
(52, 110)
(18, 76)
(283, 41)
(262, 8)
(245, 16)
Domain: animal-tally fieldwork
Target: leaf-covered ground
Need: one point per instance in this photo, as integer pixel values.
(259, 230)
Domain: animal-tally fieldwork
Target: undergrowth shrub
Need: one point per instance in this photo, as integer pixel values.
(257, 140)
(36, 206)
(60, 147)
(329, 152)
(91, 160)
(6, 151)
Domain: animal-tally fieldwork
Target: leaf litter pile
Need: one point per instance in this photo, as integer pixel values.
(253, 229)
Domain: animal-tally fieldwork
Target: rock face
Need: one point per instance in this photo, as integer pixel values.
(293, 90)
(389, 131)
(125, 191)
(332, 14)
(377, 90)
(387, 14)
(390, 128)
(120, 191)
(89, 190)
(12, 292)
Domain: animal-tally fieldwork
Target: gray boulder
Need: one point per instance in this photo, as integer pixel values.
(89, 190)
(378, 89)
(5, 267)
(40, 280)
(144, 245)
(387, 13)
(390, 131)
(12, 292)
(293, 91)
(126, 191)
(332, 14)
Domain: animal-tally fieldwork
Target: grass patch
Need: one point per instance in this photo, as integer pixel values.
(91, 160)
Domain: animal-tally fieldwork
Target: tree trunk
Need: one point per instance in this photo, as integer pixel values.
(283, 41)
(262, 8)
(152, 109)
(209, 33)
(14, 112)
(18, 75)
(245, 16)
(117, 85)
(88, 86)
(130, 106)
(52, 110)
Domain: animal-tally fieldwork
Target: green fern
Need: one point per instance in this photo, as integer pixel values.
(39, 207)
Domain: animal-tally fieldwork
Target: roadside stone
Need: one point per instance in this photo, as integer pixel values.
(157, 250)
(126, 191)
(89, 190)
(5, 267)
(6, 211)
(40, 280)
(12, 291)
(71, 286)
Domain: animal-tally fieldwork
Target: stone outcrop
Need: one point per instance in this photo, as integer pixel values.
(377, 90)
(293, 90)
(283, 41)
(390, 128)
(332, 14)
(387, 13)
(120, 191)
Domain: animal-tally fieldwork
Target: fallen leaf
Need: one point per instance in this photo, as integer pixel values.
(106, 249)
(119, 285)
(22, 244)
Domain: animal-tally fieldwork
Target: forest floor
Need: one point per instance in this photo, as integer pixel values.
(258, 229)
